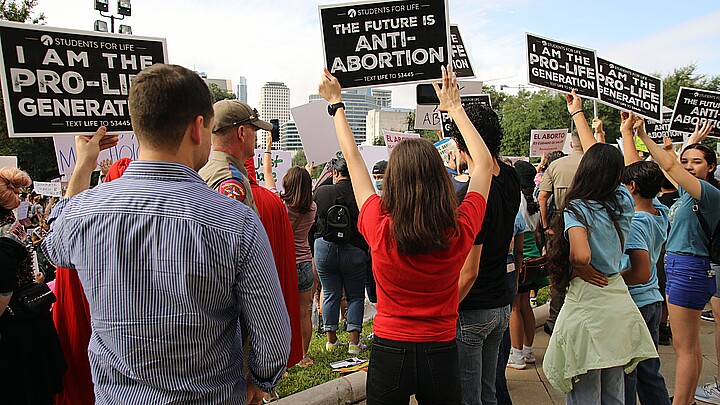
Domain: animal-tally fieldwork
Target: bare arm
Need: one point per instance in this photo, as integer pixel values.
(88, 148)
(626, 130)
(449, 97)
(672, 167)
(543, 199)
(469, 272)
(580, 256)
(362, 185)
(575, 107)
(518, 248)
(267, 163)
(597, 126)
(639, 273)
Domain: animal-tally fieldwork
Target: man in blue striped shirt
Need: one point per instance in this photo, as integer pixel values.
(174, 272)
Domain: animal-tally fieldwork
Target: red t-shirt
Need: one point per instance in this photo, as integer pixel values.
(418, 294)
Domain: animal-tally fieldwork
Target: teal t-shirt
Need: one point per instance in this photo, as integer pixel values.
(603, 238)
(686, 235)
(648, 232)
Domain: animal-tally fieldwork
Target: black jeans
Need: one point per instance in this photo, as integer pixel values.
(401, 369)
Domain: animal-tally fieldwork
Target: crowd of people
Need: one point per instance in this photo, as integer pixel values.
(180, 279)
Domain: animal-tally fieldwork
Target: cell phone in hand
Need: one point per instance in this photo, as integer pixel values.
(275, 130)
(425, 94)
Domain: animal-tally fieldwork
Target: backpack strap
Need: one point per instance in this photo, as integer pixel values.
(701, 219)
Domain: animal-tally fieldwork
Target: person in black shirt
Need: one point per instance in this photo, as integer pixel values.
(341, 266)
(484, 311)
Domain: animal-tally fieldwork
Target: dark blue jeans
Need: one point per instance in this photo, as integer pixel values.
(501, 389)
(646, 379)
(400, 369)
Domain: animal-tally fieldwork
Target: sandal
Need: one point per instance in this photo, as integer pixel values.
(306, 361)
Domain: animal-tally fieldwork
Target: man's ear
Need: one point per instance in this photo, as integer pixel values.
(195, 128)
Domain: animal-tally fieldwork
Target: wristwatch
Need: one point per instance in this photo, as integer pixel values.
(332, 108)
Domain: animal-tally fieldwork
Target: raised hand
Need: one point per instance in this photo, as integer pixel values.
(574, 102)
(700, 132)
(329, 87)
(449, 94)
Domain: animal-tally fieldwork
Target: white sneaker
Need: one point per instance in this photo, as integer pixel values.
(708, 393)
(356, 348)
(516, 362)
(333, 346)
(529, 357)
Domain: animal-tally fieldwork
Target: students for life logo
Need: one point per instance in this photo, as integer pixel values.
(46, 40)
(352, 13)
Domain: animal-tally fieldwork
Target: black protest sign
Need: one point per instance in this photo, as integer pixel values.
(389, 42)
(447, 123)
(58, 81)
(630, 90)
(658, 130)
(693, 106)
(563, 67)
(462, 65)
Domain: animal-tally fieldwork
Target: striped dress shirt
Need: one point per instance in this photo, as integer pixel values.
(172, 270)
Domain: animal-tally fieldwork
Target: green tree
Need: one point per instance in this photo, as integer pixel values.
(221, 94)
(299, 158)
(686, 76)
(35, 155)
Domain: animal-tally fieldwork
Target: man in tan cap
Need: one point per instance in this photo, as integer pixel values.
(233, 142)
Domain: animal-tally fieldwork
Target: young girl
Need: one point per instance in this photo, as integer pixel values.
(297, 197)
(419, 238)
(599, 331)
(690, 279)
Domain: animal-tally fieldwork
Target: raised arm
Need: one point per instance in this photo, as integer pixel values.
(597, 126)
(329, 89)
(575, 108)
(449, 96)
(88, 148)
(267, 163)
(626, 130)
(672, 167)
(700, 132)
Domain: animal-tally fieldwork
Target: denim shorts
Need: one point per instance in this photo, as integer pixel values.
(690, 282)
(305, 276)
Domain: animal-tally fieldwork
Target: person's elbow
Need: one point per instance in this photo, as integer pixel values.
(580, 259)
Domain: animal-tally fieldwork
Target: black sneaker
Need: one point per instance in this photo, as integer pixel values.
(707, 316)
(665, 335)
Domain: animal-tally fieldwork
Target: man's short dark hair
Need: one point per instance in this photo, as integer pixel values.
(487, 124)
(164, 100)
(648, 178)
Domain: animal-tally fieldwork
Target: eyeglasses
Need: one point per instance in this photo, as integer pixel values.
(252, 118)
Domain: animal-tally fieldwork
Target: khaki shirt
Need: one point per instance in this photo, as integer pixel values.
(227, 175)
(559, 176)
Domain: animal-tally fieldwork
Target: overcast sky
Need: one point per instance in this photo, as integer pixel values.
(279, 40)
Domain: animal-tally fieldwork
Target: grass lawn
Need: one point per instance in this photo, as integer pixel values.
(300, 379)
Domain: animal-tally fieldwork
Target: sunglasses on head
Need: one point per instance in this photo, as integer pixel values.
(252, 118)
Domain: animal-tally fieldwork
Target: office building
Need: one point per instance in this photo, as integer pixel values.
(274, 104)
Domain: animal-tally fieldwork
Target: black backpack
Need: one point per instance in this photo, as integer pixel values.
(714, 238)
(338, 223)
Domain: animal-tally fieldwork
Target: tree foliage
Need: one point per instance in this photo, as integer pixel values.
(221, 94)
(35, 155)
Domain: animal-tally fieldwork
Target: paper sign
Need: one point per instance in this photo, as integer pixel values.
(388, 42)
(446, 147)
(317, 131)
(281, 161)
(447, 123)
(428, 116)
(66, 156)
(562, 67)
(372, 155)
(59, 81)
(50, 189)
(393, 138)
(22, 210)
(544, 141)
(8, 161)
(629, 90)
(693, 106)
(461, 61)
(657, 130)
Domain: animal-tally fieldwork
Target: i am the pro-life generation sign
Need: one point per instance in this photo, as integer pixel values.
(461, 61)
(629, 90)
(388, 42)
(562, 67)
(57, 81)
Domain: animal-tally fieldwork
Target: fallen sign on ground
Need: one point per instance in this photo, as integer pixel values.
(57, 81)
(562, 67)
(369, 44)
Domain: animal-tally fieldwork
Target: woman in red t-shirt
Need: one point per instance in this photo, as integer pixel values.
(419, 237)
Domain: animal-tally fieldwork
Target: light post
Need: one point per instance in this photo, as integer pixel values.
(124, 10)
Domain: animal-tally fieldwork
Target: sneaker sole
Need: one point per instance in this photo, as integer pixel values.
(516, 367)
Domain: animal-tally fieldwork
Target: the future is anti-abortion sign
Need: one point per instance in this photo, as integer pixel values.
(57, 81)
(562, 67)
(695, 106)
(387, 42)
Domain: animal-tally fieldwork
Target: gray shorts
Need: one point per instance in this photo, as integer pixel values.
(305, 276)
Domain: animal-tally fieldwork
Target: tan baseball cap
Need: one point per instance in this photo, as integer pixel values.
(229, 113)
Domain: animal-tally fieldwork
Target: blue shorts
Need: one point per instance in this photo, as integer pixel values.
(305, 276)
(690, 282)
